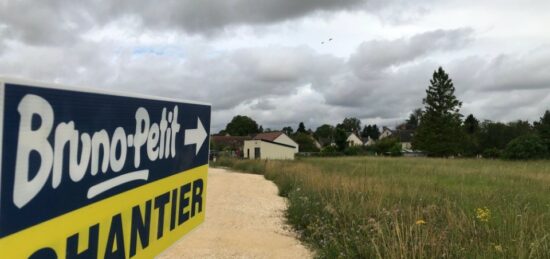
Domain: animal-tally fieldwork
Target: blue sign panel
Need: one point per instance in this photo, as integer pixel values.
(67, 149)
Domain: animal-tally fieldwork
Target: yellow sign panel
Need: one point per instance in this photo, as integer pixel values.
(139, 223)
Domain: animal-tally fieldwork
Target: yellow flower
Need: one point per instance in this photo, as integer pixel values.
(483, 214)
(420, 222)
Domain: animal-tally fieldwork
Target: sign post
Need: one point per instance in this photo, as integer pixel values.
(88, 174)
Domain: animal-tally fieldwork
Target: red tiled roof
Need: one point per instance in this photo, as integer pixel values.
(269, 136)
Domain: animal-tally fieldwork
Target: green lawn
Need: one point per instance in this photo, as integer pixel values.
(366, 207)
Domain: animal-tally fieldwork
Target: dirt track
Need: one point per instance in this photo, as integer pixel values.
(244, 219)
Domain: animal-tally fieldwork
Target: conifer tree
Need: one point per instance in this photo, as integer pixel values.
(439, 132)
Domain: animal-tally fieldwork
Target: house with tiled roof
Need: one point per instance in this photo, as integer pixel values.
(353, 140)
(270, 145)
(403, 136)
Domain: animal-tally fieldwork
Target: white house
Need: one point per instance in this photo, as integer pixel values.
(354, 140)
(369, 141)
(271, 145)
(386, 132)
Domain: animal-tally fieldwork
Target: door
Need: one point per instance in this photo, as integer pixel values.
(257, 154)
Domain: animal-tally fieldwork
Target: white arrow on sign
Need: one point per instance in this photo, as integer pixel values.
(196, 136)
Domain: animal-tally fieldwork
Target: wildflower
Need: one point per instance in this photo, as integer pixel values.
(420, 222)
(498, 248)
(483, 214)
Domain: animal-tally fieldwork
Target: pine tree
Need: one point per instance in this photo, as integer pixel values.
(439, 132)
(471, 124)
(542, 128)
(301, 128)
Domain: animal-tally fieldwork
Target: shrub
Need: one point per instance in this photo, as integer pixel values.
(384, 145)
(492, 153)
(525, 147)
(396, 150)
(353, 151)
(330, 151)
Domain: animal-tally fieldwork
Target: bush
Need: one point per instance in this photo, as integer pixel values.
(492, 153)
(330, 151)
(385, 145)
(526, 147)
(396, 150)
(353, 151)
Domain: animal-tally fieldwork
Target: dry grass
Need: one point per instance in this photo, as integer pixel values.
(415, 208)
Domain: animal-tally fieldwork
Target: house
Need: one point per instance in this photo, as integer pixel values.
(271, 145)
(369, 141)
(405, 138)
(353, 140)
(316, 143)
(324, 142)
(386, 132)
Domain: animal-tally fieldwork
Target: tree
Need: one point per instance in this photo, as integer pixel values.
(385, 145)
(496, 135)
(242, 126)
(471, 125)
(526, 147)
(470, 141)
(350, 125)
(325, 134)
(439, 132)
(367, 130)
(371, 131)
(340, 139)
(412, 122)
(542, 127)
(288, 130)
(301, 128)
(261, 129)
(375, 134)
(305, 142)
(414, 119)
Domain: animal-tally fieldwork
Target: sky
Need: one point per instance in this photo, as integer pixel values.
(286, 61)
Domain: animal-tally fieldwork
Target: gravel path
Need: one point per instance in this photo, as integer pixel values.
(244, 219)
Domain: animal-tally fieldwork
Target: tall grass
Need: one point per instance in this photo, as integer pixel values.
(415, 207)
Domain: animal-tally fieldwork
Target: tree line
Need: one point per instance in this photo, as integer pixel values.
(440, 130)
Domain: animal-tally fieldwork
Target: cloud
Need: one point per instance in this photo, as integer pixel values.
(384, 73)
(49, 22)
(62, 22)
(374, 56)
(211, 15)
(270, 70)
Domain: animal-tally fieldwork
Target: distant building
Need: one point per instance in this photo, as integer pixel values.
(353, 140)
(405, 138)
(368, 141)
(271, 145)
(316, 142)
(386, 132)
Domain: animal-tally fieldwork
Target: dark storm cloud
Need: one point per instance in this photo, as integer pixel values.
(49, 22)
(62, 22)
(209, 15)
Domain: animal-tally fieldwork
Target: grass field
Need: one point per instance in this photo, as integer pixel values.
(414, 207)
